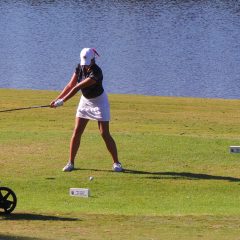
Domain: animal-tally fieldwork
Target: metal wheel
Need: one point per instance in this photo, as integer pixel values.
(8, 199)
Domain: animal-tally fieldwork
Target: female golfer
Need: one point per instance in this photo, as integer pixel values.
(93, 105)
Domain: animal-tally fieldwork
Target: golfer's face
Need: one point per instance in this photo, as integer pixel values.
(85, 67)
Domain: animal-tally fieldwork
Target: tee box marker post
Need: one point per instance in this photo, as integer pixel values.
(79, 192)
(234, 149)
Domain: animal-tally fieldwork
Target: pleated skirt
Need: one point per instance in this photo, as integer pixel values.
(95, 108)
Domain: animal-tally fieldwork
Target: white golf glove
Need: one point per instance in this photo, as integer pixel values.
(58, 103)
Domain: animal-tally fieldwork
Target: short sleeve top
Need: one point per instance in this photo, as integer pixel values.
(95, 73)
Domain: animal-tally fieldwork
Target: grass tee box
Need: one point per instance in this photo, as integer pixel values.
(179, 179)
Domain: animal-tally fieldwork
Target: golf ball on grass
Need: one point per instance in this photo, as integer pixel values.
(91, 178)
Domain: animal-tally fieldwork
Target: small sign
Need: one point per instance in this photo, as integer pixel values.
(234, 149)
(79, 192)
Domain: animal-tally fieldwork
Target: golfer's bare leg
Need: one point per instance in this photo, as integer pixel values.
(109, 141)
(80, 124)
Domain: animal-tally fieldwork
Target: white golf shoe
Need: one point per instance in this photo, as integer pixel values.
(68, 168)
(117, 167)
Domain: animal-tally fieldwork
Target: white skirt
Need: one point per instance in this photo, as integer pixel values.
(95, 108)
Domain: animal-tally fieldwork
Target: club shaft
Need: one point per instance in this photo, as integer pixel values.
(24, 108)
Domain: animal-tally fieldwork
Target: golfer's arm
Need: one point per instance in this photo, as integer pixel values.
(85, 83)
(69, 86)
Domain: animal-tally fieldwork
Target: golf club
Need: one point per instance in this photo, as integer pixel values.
(24, 108)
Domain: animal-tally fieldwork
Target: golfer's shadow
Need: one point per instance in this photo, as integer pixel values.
(183, 175)
(174, 175)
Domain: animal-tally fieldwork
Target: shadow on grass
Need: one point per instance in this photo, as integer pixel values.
(173, 175)
(183, 175)
(10, 237)
(34, 217)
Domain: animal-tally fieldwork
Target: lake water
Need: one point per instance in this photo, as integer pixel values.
(165, 48)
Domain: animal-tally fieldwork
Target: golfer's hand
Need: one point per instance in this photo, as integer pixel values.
(56, 103)
(52, 104)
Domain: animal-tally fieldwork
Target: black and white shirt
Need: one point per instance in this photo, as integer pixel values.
(95, 73)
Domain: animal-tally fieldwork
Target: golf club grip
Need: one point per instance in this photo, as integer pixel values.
(24, 108)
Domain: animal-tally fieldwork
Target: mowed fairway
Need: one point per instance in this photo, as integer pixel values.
(180, 181)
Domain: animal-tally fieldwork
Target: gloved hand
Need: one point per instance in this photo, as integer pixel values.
(58, 103)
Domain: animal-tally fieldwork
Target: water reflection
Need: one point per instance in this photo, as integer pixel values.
(174, 48)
